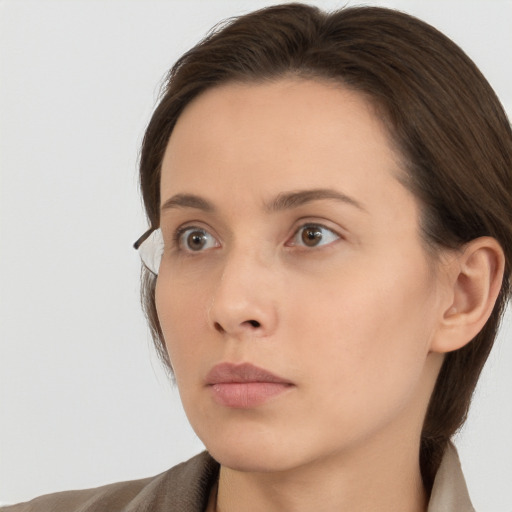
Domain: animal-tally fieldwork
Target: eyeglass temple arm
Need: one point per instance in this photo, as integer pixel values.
(142, 238)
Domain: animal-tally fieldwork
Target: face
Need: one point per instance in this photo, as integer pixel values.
(293, 260)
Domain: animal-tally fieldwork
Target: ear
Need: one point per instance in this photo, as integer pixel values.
(475, 279)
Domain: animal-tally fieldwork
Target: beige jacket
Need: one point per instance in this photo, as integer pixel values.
(186, 488)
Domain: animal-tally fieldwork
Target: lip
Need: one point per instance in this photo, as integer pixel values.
(244, 386)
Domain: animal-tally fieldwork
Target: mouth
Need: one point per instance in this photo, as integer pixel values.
(244, 386)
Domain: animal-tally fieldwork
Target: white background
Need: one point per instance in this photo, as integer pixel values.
(83, 399)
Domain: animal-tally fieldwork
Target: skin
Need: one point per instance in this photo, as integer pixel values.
(352, 322)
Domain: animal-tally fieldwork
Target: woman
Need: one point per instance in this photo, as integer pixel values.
(327, 263)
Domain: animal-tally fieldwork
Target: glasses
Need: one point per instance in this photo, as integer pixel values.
(150, 247)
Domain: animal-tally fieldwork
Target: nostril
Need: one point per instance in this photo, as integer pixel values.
(253, 323)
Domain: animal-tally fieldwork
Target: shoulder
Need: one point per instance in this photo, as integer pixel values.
(184, 487)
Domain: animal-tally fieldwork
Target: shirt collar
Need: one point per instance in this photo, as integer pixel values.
(450, 493)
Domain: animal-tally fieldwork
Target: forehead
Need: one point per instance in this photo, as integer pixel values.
(281, 135)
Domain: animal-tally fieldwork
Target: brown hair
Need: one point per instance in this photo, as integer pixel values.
(444, 117)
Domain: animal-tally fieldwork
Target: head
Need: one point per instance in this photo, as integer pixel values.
(447, 148)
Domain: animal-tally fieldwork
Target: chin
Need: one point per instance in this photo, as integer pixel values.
(251, 459)
(247, 451)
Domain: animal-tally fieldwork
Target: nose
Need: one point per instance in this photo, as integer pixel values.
(244, 298)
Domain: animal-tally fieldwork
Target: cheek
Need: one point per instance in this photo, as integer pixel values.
(366, 335)
(182, 313)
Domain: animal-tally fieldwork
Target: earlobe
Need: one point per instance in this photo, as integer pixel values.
(476, 278)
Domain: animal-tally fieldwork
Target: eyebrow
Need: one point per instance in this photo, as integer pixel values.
(294, 199)
(283, 201)
(187, 201)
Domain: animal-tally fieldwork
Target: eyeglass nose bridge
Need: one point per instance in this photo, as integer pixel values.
(150, 247)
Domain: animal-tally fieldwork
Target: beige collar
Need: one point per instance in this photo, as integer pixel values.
(450, 493)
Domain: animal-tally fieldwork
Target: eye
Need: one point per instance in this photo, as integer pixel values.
(195, 239)
(313, 235)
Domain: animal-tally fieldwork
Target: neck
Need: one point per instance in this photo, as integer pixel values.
(364, 480)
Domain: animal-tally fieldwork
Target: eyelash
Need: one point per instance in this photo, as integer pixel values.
(180, 232)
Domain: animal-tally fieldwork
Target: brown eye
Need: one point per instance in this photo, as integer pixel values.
(311, 236)
(196, 240)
